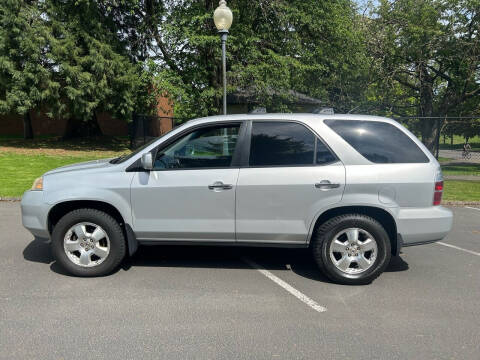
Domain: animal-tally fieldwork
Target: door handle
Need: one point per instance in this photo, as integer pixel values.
(326, 185)
(218, 185)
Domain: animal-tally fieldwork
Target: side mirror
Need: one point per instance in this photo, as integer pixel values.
(147, 161)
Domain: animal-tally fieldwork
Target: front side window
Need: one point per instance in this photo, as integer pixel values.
(285, 144)
(379, 142)
(208, 147)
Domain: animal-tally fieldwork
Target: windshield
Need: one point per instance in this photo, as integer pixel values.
(125, 157)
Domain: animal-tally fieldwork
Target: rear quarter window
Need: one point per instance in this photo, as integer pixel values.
(379, 142)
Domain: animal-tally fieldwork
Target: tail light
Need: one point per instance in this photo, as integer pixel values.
(438, 190)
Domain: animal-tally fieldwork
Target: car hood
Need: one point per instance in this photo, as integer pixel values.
(86, 165)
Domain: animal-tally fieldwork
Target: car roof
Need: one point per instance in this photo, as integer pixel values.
(289, 116)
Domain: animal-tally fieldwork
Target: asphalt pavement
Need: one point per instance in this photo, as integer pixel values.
(239, 303)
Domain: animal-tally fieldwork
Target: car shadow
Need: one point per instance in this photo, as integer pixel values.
(38, 251)
(299, 261)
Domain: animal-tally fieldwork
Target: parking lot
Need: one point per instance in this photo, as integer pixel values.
(231, 303)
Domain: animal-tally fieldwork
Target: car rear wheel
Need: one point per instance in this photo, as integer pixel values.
(351, 249)
(88, 242)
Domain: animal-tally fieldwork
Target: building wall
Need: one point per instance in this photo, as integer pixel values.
(165, 113)
(43, 125)
(111, 126)
(11, 125)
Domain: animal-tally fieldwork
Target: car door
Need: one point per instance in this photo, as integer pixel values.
(190, 193)
(291, 175)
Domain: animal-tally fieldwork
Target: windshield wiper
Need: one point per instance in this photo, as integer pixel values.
(118, 159)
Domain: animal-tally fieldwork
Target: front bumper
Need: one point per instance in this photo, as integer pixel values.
(35, 213)
(423, 225)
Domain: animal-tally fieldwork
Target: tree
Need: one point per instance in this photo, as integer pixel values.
(426, 59)
(25, 79)
(92, 65)
(65, 57)
(274, 47)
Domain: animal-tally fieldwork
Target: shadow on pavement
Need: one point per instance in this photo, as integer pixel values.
(38, 251)
(299, 261)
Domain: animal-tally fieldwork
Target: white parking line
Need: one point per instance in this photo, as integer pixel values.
(473, 208)
(458, 248)
(299, 295)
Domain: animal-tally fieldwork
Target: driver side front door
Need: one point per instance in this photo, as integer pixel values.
(190, 194)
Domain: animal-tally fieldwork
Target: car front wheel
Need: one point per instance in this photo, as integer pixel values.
(88, 242)
(351, 249)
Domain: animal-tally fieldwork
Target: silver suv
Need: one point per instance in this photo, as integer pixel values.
(352, 188)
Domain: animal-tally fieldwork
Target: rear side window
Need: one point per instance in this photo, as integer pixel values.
(286, 144)
(379, 142)
(324, 155)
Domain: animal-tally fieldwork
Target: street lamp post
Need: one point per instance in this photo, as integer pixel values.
(223, 18)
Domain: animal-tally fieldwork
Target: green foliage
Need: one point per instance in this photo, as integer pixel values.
(307, 46)
(91, 63)
(404, 58)
(65, 57)
(25, 78)
(274, 47)
(425, 57)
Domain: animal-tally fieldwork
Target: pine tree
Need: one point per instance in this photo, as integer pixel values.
(25, 76)
(92, 65)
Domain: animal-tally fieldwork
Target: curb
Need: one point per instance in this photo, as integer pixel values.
(10, 198)
(461, 203)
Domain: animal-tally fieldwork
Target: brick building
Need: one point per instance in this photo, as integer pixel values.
(43, 125)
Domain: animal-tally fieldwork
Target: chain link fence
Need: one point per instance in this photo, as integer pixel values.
(456, 143)
(455, 138)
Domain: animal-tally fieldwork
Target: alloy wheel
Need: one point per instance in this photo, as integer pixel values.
(86, 244)
(353, 251)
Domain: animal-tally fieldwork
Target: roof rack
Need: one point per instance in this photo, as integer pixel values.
(258, 110)
(324, 111)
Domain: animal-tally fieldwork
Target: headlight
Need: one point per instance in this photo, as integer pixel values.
(38, 184)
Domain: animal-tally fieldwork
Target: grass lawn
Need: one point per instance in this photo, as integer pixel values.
(461, 169)
(461, 190)
(94, 146)
(17, 171)
(21, 161)
(458, 167)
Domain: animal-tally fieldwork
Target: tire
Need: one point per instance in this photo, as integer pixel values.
(92, 224)
(342, 228)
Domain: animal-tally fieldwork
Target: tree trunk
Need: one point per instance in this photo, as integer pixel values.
(430, 128)
(77, 128)
(27, 126)
(430, 131)
(92, 126)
